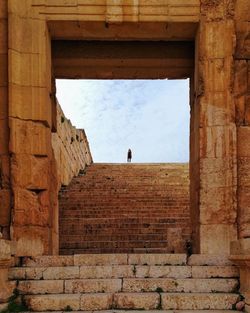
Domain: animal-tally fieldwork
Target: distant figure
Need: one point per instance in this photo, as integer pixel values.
(129, 155)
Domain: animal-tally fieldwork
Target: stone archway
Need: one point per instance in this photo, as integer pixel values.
(32, 26)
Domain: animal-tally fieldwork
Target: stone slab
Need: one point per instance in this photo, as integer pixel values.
(53, 302)
(93, 285)
(33, 287)
(96, 301)
(157, 259)
(106, 271)
(100, 259)
(179, 285)
(159, 271)
(207, 259)
(215, 271)
(201, 301)
(143, 301)
(46, 261)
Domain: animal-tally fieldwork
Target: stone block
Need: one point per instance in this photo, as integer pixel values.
(240, 110)
(68, 272)
(201, 301)
(4, 103)
(17, 273)
(31, 208)
(3, 9)
(243, 145)
(242, 8)
(179, 285)
(240, 246)
(3, 69)
(217, 40)
(100, 259)
(6, 287)
(218, 141)
(27, 35)
(218, 205)
(28, 69)
(4, 136)
(3, 35)
(141, 301)
(101, 301)
(28, 137)
(247, 109)
(49, 261)
(209, 260)
(157, 259)
(215, 239)
(216, 109)
(33, 287)
(5, 250)
(240, 77)
(214, 271)
(31, 240)
(5, 171)
(216, 74)
(5, 200)
(30, 172)
(106, 271)
(243, 172)
(93, 285)
(53, 302)
(31, 103)
(163, 271)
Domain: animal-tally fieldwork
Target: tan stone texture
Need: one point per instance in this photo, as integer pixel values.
(30, 171)
(146, 301)
(177, 301)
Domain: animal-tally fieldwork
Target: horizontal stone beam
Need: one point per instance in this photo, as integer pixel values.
(122, 60)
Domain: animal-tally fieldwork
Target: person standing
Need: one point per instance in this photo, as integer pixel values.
(129, 155)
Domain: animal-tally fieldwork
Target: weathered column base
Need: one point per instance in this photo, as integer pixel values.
(240, 256)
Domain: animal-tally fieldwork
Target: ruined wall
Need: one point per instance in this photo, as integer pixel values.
(71, 149)
(5, 194)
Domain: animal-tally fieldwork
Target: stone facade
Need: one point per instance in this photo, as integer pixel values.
(219, 99)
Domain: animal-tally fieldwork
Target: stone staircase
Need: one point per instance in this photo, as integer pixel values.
(127, 282)
(126, 208)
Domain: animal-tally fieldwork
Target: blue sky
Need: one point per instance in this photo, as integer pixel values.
(149, 116)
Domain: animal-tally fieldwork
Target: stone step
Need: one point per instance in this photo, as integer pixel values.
(106, 259)
(151, 311)
(126, 301)
(130, 285)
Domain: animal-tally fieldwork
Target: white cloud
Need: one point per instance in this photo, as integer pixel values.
(149, 116)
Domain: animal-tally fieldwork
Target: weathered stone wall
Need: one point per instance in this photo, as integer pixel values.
(71, 149)
(219, 97)
(5, 194)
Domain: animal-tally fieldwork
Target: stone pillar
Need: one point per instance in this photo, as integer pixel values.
(32, 163)
(242, 103)
(5, 193)
(217, 131)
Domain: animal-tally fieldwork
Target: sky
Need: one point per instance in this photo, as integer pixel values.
(151, 117)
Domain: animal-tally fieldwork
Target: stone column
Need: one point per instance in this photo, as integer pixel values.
(32, 164)
(217, 131)
(242, 102)
(5, 193)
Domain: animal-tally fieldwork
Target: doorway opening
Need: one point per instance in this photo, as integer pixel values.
(143, 207)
